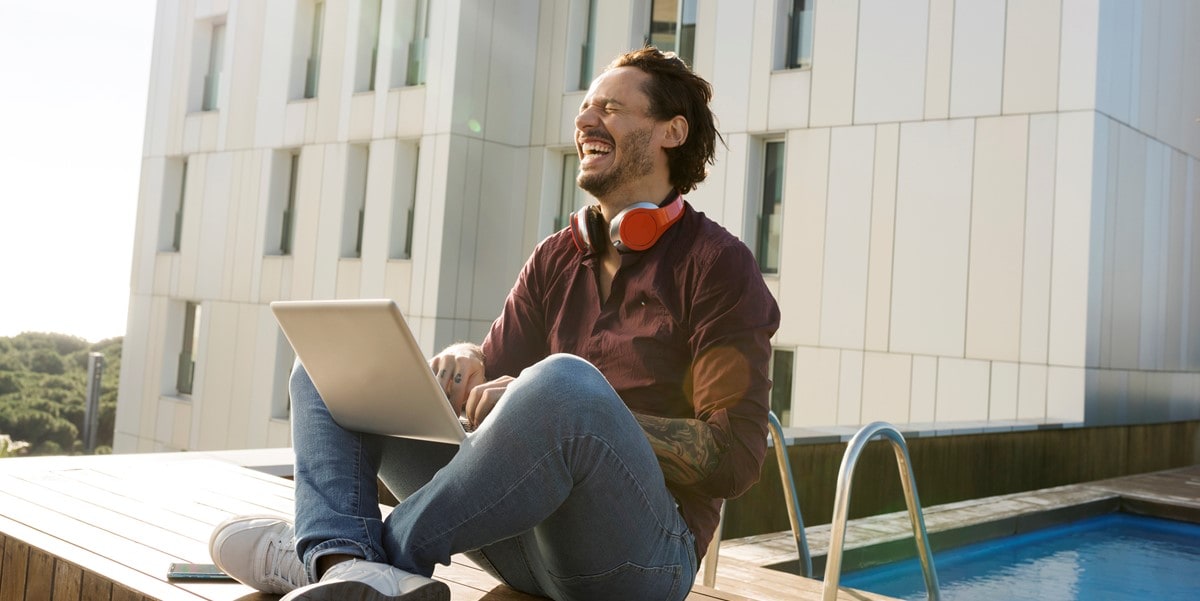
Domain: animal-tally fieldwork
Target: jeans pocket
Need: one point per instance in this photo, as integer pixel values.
(627, 581)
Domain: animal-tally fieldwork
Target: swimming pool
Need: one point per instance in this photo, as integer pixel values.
(1113, 556)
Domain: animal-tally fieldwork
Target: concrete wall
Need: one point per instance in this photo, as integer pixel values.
(991, 209)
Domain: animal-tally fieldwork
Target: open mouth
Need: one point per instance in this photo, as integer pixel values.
(593, 151)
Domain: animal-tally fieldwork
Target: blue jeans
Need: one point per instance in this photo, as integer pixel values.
(558, 488)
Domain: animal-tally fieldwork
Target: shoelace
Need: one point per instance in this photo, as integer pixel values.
(283, 563)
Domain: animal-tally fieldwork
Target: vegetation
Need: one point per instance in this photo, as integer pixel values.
(43, 393)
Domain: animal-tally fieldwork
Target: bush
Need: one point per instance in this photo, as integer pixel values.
(45, 361)
(9, 384)
(43, 385)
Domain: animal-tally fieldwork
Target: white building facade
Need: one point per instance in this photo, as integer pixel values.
(970, 212)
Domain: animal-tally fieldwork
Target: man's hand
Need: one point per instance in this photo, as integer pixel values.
(459, 369)
(483, 399)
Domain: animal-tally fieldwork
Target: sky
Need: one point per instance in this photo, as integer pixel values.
(74, 77)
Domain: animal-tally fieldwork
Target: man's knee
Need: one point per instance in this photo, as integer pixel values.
(567, 384)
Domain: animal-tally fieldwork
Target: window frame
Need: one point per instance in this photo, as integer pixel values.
(790, 54)
(189, 349)
(215, 67)
(757, 225)
(782, 386)
(358, 160)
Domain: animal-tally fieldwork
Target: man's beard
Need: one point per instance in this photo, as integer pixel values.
(635, 162)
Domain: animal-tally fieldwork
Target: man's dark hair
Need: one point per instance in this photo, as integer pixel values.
(673, 90)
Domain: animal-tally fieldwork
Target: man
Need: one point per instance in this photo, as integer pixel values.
(619, 397)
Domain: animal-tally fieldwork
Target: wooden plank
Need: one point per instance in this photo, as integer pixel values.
(39, 582)
(122, 593)
(703, 593)
(146, 585)
(107, 526)
(16, 557)
(67, 581)
(96, 588)
(762, 583)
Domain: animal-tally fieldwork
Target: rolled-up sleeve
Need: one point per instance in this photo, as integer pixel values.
(733, 316)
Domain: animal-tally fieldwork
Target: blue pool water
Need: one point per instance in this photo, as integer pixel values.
(1114, 556)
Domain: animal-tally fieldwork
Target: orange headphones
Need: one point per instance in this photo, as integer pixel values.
(636, 228)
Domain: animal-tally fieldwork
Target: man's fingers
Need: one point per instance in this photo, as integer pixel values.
(457, 374)
(483, 399)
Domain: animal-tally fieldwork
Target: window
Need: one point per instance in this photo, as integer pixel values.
(572, 198)
(411, 43)
(404, 194)
(582, 33)
(170, 229)
(188, 349)
(769, 221)
(673, 27)
(368, 46)
(781, 384)
(281, 215)
(795, 34)
(356, 200)
(306, 51)
(212, 77)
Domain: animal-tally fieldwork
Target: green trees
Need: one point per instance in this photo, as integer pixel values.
(43, 391)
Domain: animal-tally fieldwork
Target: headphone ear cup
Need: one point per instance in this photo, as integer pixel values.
(579, 231)
(636, 229)
(640, 225)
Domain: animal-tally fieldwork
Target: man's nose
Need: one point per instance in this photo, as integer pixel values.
(586, 119)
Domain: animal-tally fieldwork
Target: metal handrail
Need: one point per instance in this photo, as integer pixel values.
(789, 495)
(841, 508)
(709, 567)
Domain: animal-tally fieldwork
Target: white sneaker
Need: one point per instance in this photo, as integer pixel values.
(359, 580)
(259, 551)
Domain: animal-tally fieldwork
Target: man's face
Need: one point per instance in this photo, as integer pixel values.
(615, 137)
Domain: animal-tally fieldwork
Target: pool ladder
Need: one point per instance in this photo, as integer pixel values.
(841, 509)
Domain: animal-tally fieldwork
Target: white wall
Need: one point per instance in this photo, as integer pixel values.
(991, 209)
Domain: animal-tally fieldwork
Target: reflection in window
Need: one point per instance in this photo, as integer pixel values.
(418, 48)
(800, 34)
(781, 385)
(571, 198)
(673, 27)
(189, 349)
(212, 77)
(770, 219)
(368, 46)
(170, 229)
(353, 220)
(312, 71)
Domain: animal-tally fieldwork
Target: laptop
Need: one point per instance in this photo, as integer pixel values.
(366, 364)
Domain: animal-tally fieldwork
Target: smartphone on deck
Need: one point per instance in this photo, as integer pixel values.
(196, 571)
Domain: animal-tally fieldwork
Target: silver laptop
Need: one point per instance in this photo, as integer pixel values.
(366, 364)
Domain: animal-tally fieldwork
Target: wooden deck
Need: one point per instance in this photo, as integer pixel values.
(106, 528)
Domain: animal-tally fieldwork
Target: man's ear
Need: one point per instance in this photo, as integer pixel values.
(675, 132)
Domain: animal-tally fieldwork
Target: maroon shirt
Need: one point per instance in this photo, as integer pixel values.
(685, 333)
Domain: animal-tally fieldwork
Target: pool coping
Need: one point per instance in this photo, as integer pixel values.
(1172, 494)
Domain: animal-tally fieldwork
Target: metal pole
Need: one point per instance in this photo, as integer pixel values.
(789, 495)
(91, 420)
(841, 508)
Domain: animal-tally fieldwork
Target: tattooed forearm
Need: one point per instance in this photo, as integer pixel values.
(686, 449)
